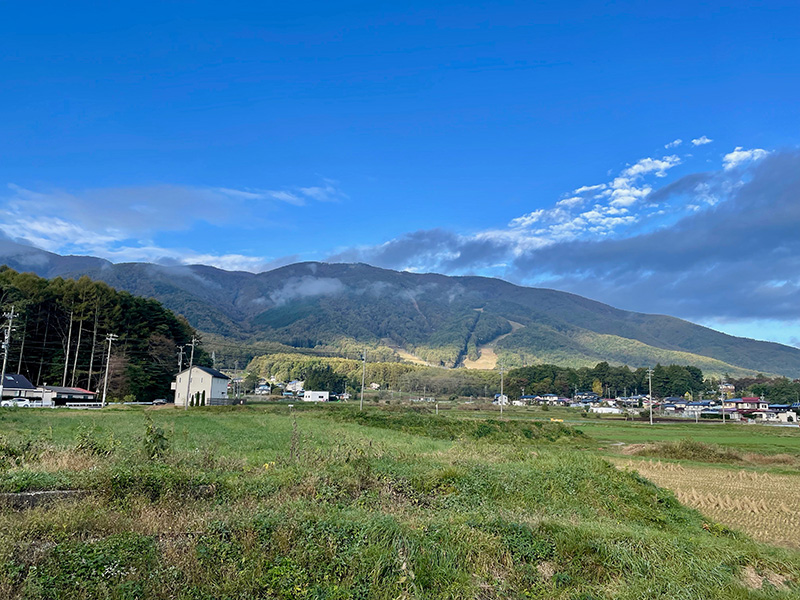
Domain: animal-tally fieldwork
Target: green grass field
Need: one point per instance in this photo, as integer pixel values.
(328, 502)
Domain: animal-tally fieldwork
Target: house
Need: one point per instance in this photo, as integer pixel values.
(500, 399)
(764, 415)
(295, 386)
(18, 386)
(745, 404)
(315, 396)
(630, 401)
(697, 408)
(205, 385)
(53, 395)
(606, 410)
(263, 390)
(677, 402)
(727, 390)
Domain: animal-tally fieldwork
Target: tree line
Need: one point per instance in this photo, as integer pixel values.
(61, 328)
(336, 374)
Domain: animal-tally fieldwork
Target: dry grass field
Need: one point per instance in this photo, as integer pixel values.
(764, 505)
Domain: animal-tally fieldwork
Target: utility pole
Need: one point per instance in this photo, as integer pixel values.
(66, 354)
(363, 378)
(722, 404)
(501, 390)
(6, 347)
(189, 374)
(650, 383)
(110, 338)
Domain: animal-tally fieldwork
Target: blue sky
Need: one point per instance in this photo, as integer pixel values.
(452, 137)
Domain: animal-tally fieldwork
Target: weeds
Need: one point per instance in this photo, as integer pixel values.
(88, 441)
(155, 443)
(361, 512)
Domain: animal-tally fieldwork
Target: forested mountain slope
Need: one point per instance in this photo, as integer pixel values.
(439, 319)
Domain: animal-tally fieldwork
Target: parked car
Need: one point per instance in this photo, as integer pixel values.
(159, 401)
(22, 402)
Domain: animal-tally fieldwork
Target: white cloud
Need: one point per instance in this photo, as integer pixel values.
(570, 202)
(228, 262)
(329, 192)
(740, 156)
(674, 143)
(303, 287)
(652, 165)
(702, 140)
(568, 219)
(590, 188)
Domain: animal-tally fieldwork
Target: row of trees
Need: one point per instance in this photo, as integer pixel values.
(61, 328)
(606, 380)
(776, 390)
(336, 374)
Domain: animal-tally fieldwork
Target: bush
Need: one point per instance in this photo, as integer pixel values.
(88, 441)
(691, 450)
(155, 443)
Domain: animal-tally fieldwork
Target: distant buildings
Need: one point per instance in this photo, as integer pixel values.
(18, 386)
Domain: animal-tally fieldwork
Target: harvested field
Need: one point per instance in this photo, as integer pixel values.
(764, 505)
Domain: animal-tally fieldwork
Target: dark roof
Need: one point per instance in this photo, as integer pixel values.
(210, 371)
(20, 382)
(68, 390)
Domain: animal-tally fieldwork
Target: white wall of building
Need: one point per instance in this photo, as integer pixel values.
(315, 396)
(214, 387)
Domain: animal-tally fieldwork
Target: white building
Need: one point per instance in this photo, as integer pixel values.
(315, 396)
(206, 384)
(295, 386)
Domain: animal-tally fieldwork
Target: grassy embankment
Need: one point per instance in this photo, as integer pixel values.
(255, 502)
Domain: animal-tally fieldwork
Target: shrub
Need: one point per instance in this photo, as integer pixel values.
(155, 443)
(88, 441)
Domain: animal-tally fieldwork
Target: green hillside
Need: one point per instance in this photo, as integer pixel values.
(338, 309)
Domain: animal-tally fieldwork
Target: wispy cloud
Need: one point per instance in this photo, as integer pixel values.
(673, 144)
(118, 223)
(701, 141)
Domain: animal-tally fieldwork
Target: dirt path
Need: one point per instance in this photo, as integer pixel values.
(487, 357)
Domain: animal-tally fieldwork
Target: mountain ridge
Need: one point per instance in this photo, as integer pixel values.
(342, 306)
